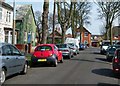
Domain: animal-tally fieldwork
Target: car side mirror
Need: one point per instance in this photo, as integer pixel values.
(22, 53)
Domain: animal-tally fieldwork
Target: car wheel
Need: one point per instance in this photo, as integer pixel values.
(69, 56)
(61, 61)
(55, 63)
(2, 76)
(24, 71)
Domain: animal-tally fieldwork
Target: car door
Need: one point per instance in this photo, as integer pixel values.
(19, 59)
(8, 60)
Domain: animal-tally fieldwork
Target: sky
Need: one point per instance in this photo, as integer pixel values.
(96, 24)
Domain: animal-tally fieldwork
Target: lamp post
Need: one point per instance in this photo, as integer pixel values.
(13, 33)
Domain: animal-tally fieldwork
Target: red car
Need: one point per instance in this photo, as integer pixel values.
(46, 53)
(116, 62)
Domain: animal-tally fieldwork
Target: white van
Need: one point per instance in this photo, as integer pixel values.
(72, 40)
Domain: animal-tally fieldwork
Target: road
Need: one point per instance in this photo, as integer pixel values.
(88, 67)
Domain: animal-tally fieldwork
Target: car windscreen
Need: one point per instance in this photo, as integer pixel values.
(117, 46)
(106, 43)
(62, 46)
(112, 49)
(43, 48)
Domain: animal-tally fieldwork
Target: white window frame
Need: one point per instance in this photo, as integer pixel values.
(8, 16)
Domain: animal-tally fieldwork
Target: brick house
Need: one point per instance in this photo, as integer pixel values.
(116, 33)
(58, 37)
(85, 35)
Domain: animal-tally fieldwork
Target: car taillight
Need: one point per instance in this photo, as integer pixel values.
(116, 60)
(51, 54)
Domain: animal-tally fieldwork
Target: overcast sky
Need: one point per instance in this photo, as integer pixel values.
(94, 28)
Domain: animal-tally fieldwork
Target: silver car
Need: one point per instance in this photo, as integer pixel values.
(11, 61)
(66, 51)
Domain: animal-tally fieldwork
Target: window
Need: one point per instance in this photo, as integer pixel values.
(43, 48)
(86, 34)
(0, 12)
(14, 50)
(6, 36)
(8, 16)
(55, 48)
(6, 50)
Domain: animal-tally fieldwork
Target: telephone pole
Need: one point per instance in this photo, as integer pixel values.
(13, 33)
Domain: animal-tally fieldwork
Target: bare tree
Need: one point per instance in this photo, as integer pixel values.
(45, 21)
(64, 16)
(109, 11)
(38, 18)
(74, 19)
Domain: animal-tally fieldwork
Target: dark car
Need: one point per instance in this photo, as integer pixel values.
(11, 61)
(46, 53)
(110, 51)
(66, 50)
(116, 61)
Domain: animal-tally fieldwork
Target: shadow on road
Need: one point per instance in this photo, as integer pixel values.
(106, 84)
(86, 60)
(105, 72)
(103, 59)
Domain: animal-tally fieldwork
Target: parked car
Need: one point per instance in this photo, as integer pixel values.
(82, 46)
(66, 51)
(116, 61)
(12, 61)
(46, 53)
(74, 48)
(111, 51)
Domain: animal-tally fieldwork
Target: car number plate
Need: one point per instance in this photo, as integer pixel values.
(42, 60)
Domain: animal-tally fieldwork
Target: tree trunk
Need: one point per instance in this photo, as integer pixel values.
(53, 35)
(63, 33)
(111, 35)
(45, 21)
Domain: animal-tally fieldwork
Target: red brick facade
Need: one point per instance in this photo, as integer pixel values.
(85, 35)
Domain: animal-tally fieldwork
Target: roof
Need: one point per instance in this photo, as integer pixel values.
(22, 10)
(6, 5)
(57, 34)
(85, 29)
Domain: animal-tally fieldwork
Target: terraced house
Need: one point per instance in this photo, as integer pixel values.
(6, 23)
